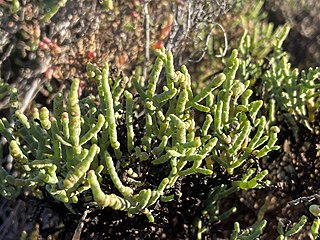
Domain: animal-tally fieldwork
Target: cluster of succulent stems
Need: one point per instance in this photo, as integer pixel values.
(71, 151)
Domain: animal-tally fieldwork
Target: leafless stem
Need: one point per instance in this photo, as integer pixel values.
(77, 233)
(30, 95)
(225, 41)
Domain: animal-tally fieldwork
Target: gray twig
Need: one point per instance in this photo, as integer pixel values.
(77, 233)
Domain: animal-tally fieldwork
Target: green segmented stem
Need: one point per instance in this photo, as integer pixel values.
(170, 73)
(251, 235)
(93, 131)
(162, 159)
(74, 176)
(201, 107)
(191, 170)
(23, 119)
(116, 85)
(158, 192)
(104, 137)
(52, 173)
(32, 142)
(63, 141)
(174, 153)
(283, 35)
(272, 110)
(196, 143)
(148, 133)
(74, 114)
(240, 161)
(273, 136)
(5, 131)
(161, 116)
(206, 124)
(245, 97)
(244, 133)
(315, 228)
(78, 158)
(154, 77)
(172, 106)
(44, 118)
(231, 70)
(150, 106)
(261, 141)
(210, 100)
(57, 151)
(60, 195)
(119, 90)
(204, 171)
(182, 101)
(65, 124)
(58, 108)
(129, 121)
(270, 145)
(16, 152)
(35, 131)
(209, 146)
(179, 125)
(105, 200)
(112, 127)
(215, 83)
(186, 82)
(191, 131)
(297, 228)
(165, 96)
(161, 54)
(125, 191)
(238, 88)
(255, 181)
(246, 184)
(217, 117)
(164, 128)
(159, 149)
(139, 89)
(194, 157)
(254, 108)
(259, 133)
(226, 107)
(41, 163)
(142, 200)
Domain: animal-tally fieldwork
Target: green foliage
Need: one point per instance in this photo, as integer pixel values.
(314, 209)
(287, 93)
(284, 234)
(15, 6)
(250, 233)
(212, 203)
(53, 7)
(78, 147)
(282, 88)
(90, 150)
(315, 228)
